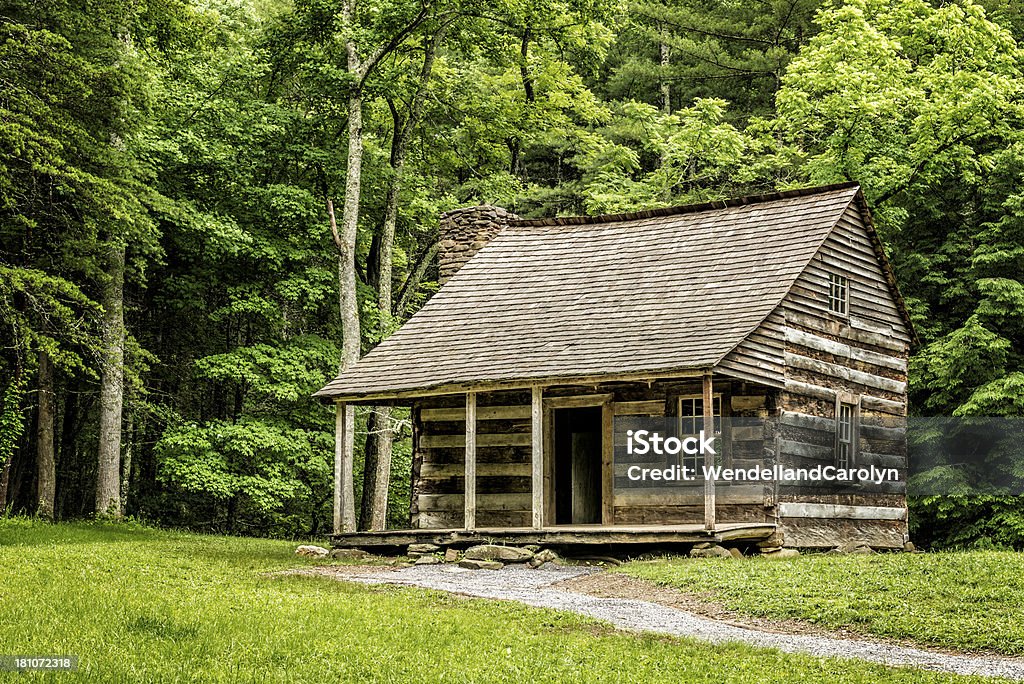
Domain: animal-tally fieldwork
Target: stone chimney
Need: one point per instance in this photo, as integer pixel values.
(464, 232)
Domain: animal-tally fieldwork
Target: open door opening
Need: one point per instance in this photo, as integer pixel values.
(577, 443)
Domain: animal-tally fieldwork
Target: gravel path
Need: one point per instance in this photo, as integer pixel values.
(535, 588)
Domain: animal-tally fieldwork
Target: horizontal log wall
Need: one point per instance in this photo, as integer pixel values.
(744, 447)
(504, 465)
(503, 480)
(759, 357)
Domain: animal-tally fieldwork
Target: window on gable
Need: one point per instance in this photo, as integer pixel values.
(845, 434)
(838, 294)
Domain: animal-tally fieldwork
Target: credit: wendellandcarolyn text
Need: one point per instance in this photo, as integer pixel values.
(642, 442)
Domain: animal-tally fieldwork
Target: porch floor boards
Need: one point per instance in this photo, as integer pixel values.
(560, 535)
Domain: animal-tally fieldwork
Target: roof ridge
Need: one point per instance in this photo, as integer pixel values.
(686, 208)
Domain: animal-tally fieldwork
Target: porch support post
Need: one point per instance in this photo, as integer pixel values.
(537, 458)
(709, 427)
(344, 448)
(607, 463)
(469, 519)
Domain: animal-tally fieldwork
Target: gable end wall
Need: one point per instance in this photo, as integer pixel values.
(859, 358)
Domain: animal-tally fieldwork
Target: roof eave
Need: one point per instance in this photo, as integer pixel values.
(890, 276)
(328, 397)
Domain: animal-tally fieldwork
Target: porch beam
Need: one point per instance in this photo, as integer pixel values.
(537, 455)
(709, 427)
(469, 519)
(607, 463)
(579, 401)
(344, 450)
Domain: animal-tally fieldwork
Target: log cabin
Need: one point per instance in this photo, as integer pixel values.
(547, 336)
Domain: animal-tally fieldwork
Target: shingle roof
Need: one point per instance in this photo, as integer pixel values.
(651, 292)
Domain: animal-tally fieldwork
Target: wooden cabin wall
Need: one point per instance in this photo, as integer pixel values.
(761, 356)
(675, 504)
(863, 357)
(502, 453)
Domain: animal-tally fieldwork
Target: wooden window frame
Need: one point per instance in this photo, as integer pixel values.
(684, 459)
(852, 443)
(839, 295)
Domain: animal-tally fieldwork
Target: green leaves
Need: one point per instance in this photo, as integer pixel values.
(267, 464)
(898, 95)
(701, 156)
(283, 374)
(949, 369)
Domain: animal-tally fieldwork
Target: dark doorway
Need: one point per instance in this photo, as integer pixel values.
(577, 465)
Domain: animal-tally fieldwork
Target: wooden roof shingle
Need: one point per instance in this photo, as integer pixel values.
(655, 292)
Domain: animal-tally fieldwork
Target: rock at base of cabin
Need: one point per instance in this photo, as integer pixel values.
(532, 547)
(451, 555)
(774, 541)
(781, 553)
(548, 556)
(473, 564)
(710, 552)
(428, 560)
(494, 552)
(543, 557)
(420, 549)
(736, 553)
(310, 551)
(349, 554)
(909, 547)
(855, 547)
(703, 545)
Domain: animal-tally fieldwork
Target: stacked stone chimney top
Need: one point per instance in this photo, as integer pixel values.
(464, 232)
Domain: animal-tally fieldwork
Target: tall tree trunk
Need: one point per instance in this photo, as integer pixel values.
(345, 238)
(46, 465)
(415, 277)
(351, 338)
(350, 334)
(666, 88)
(5, 481)
(666, 100)
(108, 473)
(126, 465)
(11, 427)
(380, 438)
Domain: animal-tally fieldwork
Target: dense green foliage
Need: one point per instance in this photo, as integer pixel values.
(141, 605)
(208, 140)
(968, 601)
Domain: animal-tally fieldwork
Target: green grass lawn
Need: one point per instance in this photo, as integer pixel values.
(140, 605)
(962, 600)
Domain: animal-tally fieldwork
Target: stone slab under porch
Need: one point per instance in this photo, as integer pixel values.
(575, 535)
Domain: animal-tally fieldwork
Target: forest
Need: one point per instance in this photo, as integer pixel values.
(209, 206)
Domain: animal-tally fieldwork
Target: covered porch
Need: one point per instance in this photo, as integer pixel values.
(536, 465)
